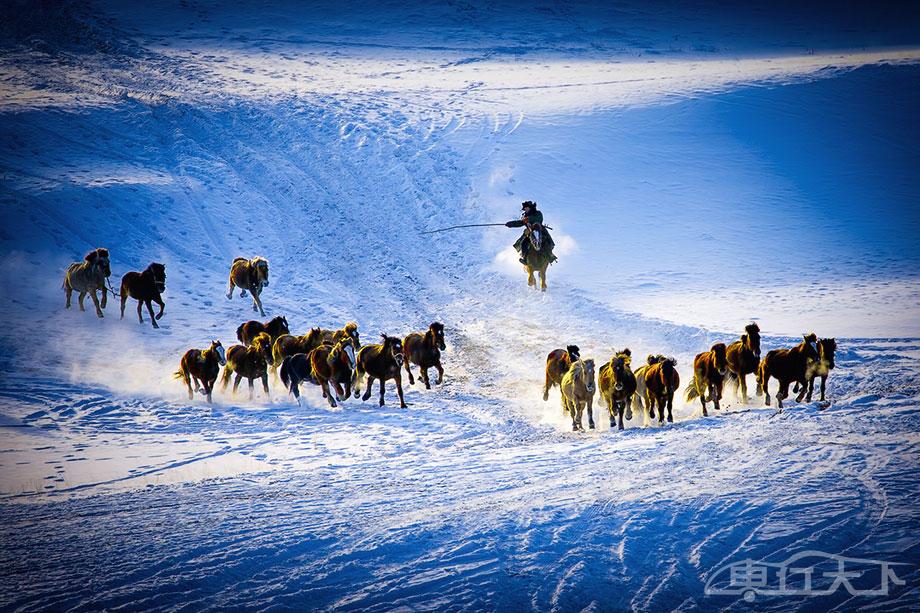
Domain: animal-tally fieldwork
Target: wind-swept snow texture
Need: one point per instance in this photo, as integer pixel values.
(702, 168)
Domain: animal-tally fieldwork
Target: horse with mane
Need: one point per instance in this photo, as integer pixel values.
(88, 276)
(250, 362)
(743, 358)
(709, 370)
(424, 350)
(577, 389)
(145, 287)
(827, 348)
(349, 330)
(639, 398)
(249, 275)
(295, 369)
(274, 328)
(381, 361)
(661, 381)
(287, 345)
(617, 386)
(539, 256)
(334, 364)
(558, 362)
(786, 366)
(203, 366)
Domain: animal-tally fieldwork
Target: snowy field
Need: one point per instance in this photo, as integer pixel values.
(702, 168)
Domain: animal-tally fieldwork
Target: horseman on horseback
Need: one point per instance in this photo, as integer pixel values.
(531, 219)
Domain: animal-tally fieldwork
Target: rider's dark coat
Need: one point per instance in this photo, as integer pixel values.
(535, 217)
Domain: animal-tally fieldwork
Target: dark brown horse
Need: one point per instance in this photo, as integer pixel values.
(539, 256)
(250, 362)
(381, 361)
(249, 275)
(202, 365)
(709, 370)
(788, 366)
(145, 287)
(827, 347)
(349, 330)
(287, 345)
(424, 350)
(87, 277)
(558, 362)
(661, 381)
(617, 386)
(334, 364)
(639, 397)
(274, 328)
(743, 358)
(295, 369)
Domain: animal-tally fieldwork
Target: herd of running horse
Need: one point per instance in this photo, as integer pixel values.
(336, 361)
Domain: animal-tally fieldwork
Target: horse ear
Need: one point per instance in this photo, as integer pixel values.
(627, 352)
(743, 338)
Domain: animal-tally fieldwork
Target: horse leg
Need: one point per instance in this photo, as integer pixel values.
(367, 392)
(140, 317)
(782, 393)
(409, 370)
(440, 370)
(803, 389)
(811, 389)
(124, 299)
(701, 390)
(258, 302)
(230, 289)
(823, 383)
(80, 299)
(92, 295)
(188, 384)
(611, 408)
(339, 393)
(265, 385)
(763, 383)
(382, 390)
(670, 406)
(546, 386)
(68, 292)
(426, 379)
(399, 392)
(162, 305)
(326, 393)
(225, 380)
(743, 383)
(661, 403)
(591, 412)
(236, 382)
(208, 388)
(716, 395)
(543, 279)
(153, 319)
(530, 280)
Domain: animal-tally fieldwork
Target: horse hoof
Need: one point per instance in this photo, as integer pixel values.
(382, 403)
(591, 426)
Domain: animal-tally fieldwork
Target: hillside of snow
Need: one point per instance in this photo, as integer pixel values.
(701, 168)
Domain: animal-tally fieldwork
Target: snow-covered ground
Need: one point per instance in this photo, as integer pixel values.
(702, 168)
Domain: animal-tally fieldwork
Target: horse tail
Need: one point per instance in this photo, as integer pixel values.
(286, 372)
(182, 373)
(732, 377)
(690, 392)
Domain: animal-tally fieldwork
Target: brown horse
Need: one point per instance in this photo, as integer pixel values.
(349, 330)
(617, 386)
(249, 275)
(538, 257)
(577, 389)
(87, 277)
(287, 345)
(145, 287)
(203, 366)
(827, 347)
(295, 369)
(250, 362)
(639, 397)
(743, 358)
(424, 350)
(786, 366)
(334, 364)
(381, 361)
(558, 362)
(709, 370)
(274, 328)
(661, 381)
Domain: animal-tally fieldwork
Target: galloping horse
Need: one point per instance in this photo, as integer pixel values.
(617, 386)
(786, 366)
(287, 345)
(381, 361)
(274, 328)
(250, 362)
(425, 352)
(203, 366)
(743, 358)
(639, 398)
(295, 369)
(827, 347)
(558, 362)
(349, 330)
(709, 369)
(249, 275)
(661, 381)
(334, 364)
(145, 287)
(538, 257)
(578, 388)
(88, 276)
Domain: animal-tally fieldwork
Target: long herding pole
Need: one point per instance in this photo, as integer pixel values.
(469, 225)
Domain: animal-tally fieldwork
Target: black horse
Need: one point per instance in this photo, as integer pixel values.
(145, 287)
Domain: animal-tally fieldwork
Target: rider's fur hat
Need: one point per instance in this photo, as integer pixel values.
(528, 203)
